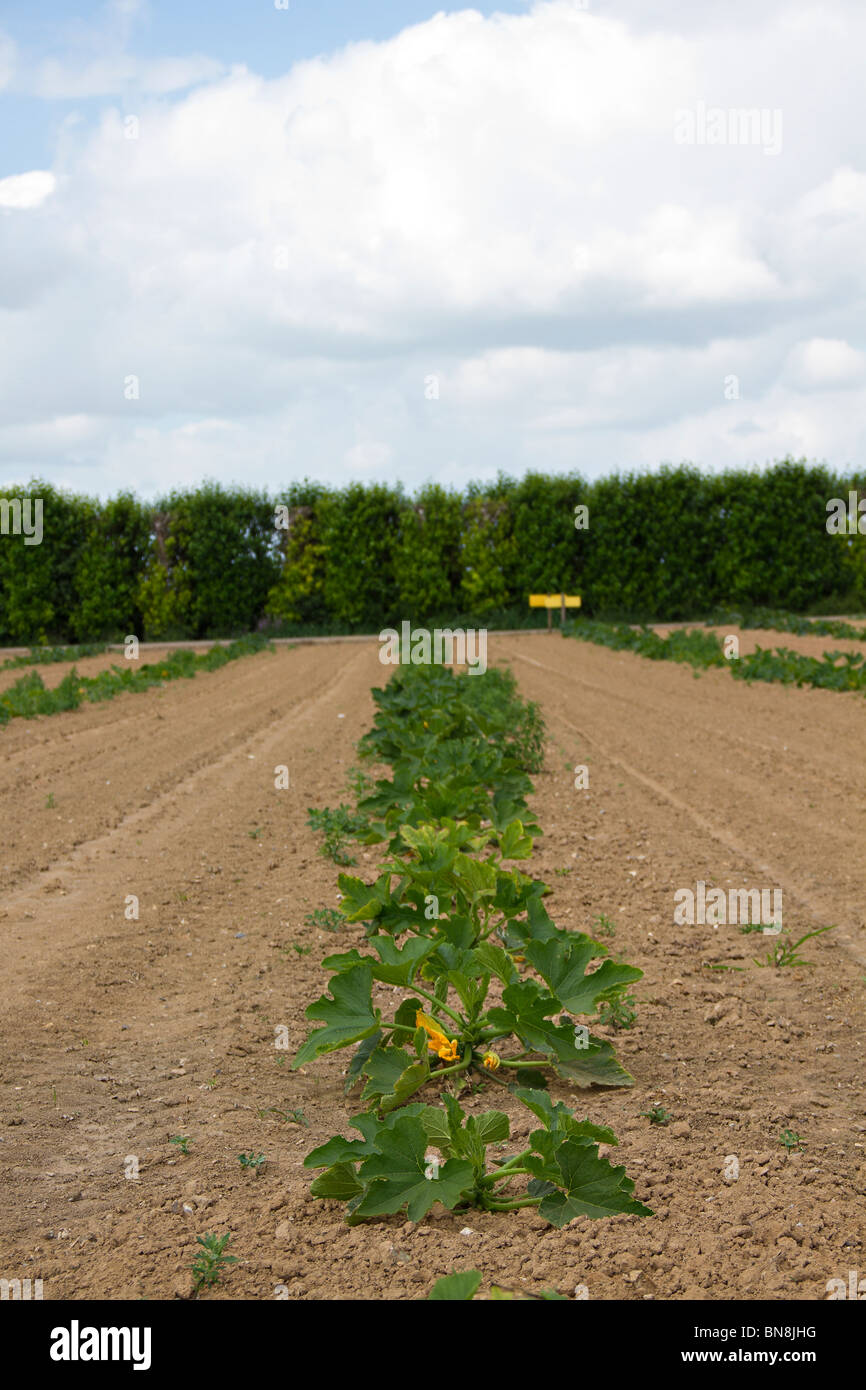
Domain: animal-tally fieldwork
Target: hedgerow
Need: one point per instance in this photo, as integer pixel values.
(216, 561)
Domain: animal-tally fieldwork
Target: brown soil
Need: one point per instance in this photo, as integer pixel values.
(118, 1034)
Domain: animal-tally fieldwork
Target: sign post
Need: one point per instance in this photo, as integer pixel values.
(551, 601)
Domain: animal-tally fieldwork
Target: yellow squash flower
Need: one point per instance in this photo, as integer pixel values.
(445, 1049)
(490, 1061)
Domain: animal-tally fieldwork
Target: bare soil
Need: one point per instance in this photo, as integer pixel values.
(118, 1034)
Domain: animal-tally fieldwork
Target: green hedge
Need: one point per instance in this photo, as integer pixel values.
(213, 562)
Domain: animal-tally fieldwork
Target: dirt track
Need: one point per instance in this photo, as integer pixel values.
(118, 1034)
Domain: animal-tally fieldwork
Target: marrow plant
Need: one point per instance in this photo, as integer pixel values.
(485, 981)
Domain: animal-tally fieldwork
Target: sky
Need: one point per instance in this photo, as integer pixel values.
(375, 241)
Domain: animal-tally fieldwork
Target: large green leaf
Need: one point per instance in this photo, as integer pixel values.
(495, 961)
(514, 843)
(562, 965)
(527, 1014)
(363, 901)
(558, 1119)
(493, 1127)
(348, 1015)
(339, 1184)
(396, 1175)
(393, 1076)
(340, 1150)
(460, 1286)
(590, 1186)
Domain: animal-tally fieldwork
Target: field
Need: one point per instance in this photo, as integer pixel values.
(121, 1035)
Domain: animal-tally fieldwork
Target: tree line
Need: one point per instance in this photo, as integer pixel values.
(217, 561)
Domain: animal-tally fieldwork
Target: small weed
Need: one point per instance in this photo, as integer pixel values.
(618, 1013)
(254, 1161)
(291, 1117)
(361, 784)
(254, 834)
(657, 1114)
(785, 952)
(562, 873)
(603, 926)
(337, 824)
(209, 1262)
(302, 950)
(49, 801)
(183, 1142)
(326, 917)
(791, 1141)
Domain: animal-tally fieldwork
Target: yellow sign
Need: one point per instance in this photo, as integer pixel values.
(554, 600)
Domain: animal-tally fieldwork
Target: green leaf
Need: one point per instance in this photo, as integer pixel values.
(527, 1016)
(340, 1150)
(560, 1120)
(339, 1184)
(562, 965)
(492, 1127)
(393, 1077)
(595, 1065)
(477, 876)
(460, 1286)
(514, 843)
(348, 1015)
(343, 961)
(396, 1175)
(436, 1126)
(590, 1185)
(362, 902)
(495, 961)
(398, 966)
(530, 1076)
(404, 1020)
(359, 1057)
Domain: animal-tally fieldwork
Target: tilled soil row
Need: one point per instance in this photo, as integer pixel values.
(119, 1034)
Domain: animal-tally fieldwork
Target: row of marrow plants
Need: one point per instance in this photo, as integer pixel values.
(492, 990)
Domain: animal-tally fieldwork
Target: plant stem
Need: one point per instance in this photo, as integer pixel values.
(490, 1075)
(446, 1009)
(512, 1206)
(458, 1066)
(520, 1064)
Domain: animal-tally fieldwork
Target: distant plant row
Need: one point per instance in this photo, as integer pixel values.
(833, 670)
(218, 561)
(28, 697)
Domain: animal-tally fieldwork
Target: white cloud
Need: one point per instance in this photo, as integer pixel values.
(500, 202)
(826, 362)
(27, 190)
